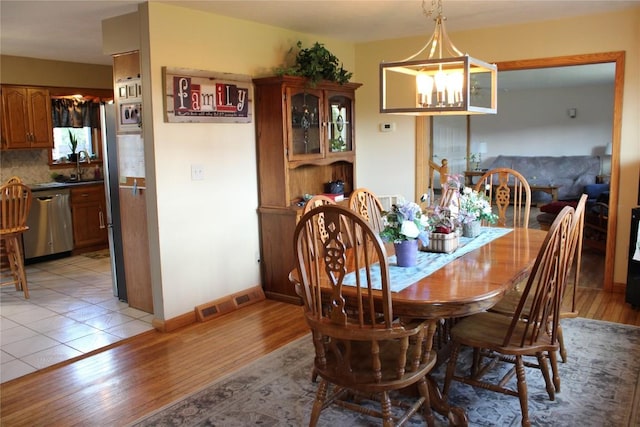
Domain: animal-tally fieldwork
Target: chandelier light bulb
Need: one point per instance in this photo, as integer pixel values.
(425, 88)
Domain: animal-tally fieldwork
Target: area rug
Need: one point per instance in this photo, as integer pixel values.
(599, 388)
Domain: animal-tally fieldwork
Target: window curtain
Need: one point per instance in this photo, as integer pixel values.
(75, 113)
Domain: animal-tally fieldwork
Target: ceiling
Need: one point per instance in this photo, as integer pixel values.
(71, 30)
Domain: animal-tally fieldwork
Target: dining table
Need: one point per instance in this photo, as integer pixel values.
(469, 282)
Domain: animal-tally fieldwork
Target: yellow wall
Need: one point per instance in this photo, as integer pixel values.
(207, 231)
(393, 152)
(41, 72)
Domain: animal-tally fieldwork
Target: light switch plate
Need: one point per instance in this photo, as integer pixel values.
(197, 172)
(387, 127)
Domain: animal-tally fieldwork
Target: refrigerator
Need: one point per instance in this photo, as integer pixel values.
(110, 171)
(633, 269)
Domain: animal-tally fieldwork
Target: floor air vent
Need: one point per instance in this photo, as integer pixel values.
(227, 304)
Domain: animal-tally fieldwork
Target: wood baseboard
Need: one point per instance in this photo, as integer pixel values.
(619, 287)
(174, 323)
(213, 309)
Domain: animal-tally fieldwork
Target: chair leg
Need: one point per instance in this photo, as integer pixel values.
(563, 349)
(553, 359)
(544, 368)
(427, 413)
(321, 397)
(475, 363)
(11, 261)
(451, 367)
(522, 391)
(385, 402)
(17, 265)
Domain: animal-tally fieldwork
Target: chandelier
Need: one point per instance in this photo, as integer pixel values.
(446, 82)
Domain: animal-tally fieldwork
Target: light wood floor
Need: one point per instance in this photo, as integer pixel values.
(119, 385)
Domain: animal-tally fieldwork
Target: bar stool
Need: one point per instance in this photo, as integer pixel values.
(15, 202)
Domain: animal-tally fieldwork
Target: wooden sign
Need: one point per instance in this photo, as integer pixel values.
(196, 96)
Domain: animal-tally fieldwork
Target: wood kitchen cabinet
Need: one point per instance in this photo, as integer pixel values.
(89, 218)
(305, 139)
(26, 118)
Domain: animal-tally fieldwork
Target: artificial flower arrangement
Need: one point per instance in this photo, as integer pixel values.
(443, 223)
(405, 222)
(475, 206)
(441, 220)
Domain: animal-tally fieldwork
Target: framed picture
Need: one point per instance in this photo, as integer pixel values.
(129, 90)
(130, 116)
(200, 96)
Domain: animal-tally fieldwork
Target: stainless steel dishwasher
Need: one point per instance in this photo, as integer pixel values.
(50, 228)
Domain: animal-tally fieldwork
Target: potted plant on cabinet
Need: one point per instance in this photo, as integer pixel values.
(316, 63)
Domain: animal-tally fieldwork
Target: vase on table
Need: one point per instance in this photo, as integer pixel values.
(471, 229)
(406, 253)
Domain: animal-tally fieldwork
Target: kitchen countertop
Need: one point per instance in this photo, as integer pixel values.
(51, 185)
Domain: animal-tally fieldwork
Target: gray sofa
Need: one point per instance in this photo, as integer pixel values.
(569, 173)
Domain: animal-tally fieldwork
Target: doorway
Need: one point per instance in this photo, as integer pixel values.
(424, 130)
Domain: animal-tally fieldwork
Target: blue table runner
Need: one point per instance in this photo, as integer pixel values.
(428, 262)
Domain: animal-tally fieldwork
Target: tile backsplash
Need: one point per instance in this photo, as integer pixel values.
(31, 166)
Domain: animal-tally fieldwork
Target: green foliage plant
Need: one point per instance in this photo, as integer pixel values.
(317, 63)
(73, 142)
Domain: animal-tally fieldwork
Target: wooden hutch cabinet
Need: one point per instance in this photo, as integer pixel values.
(26, 118)
(305, 139)
(88, 217)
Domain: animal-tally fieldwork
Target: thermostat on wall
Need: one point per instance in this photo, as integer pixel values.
(387, 127)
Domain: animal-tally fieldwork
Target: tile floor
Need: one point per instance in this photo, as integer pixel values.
(71, 311)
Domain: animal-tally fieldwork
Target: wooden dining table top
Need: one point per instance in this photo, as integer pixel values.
(474, 282)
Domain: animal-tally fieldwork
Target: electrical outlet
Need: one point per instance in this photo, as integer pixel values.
(197, 172)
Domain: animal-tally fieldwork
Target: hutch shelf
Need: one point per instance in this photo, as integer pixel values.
(305, 139)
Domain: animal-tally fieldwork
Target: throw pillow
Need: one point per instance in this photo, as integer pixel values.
(556, 207)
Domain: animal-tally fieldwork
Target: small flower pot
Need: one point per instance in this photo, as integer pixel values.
(445, 243)
(406, 253)
(471, 229)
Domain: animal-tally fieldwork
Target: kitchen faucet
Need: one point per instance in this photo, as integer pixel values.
(79, 171)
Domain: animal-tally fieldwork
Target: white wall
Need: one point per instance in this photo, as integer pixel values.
(535, 122)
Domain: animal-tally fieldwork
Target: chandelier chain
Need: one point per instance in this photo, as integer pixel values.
(436, 6)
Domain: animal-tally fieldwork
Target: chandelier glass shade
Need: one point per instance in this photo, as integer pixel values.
(446, 82)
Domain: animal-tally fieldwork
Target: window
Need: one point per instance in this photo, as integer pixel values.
(62, 143)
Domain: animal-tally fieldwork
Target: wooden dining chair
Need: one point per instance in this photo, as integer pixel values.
(507, 187)
(367, 205)
(509, 303)
(15, 203)
(362, 351)
(14, 180)
(532, 330)
(443, 171)
(317, 200)
(314, 202)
